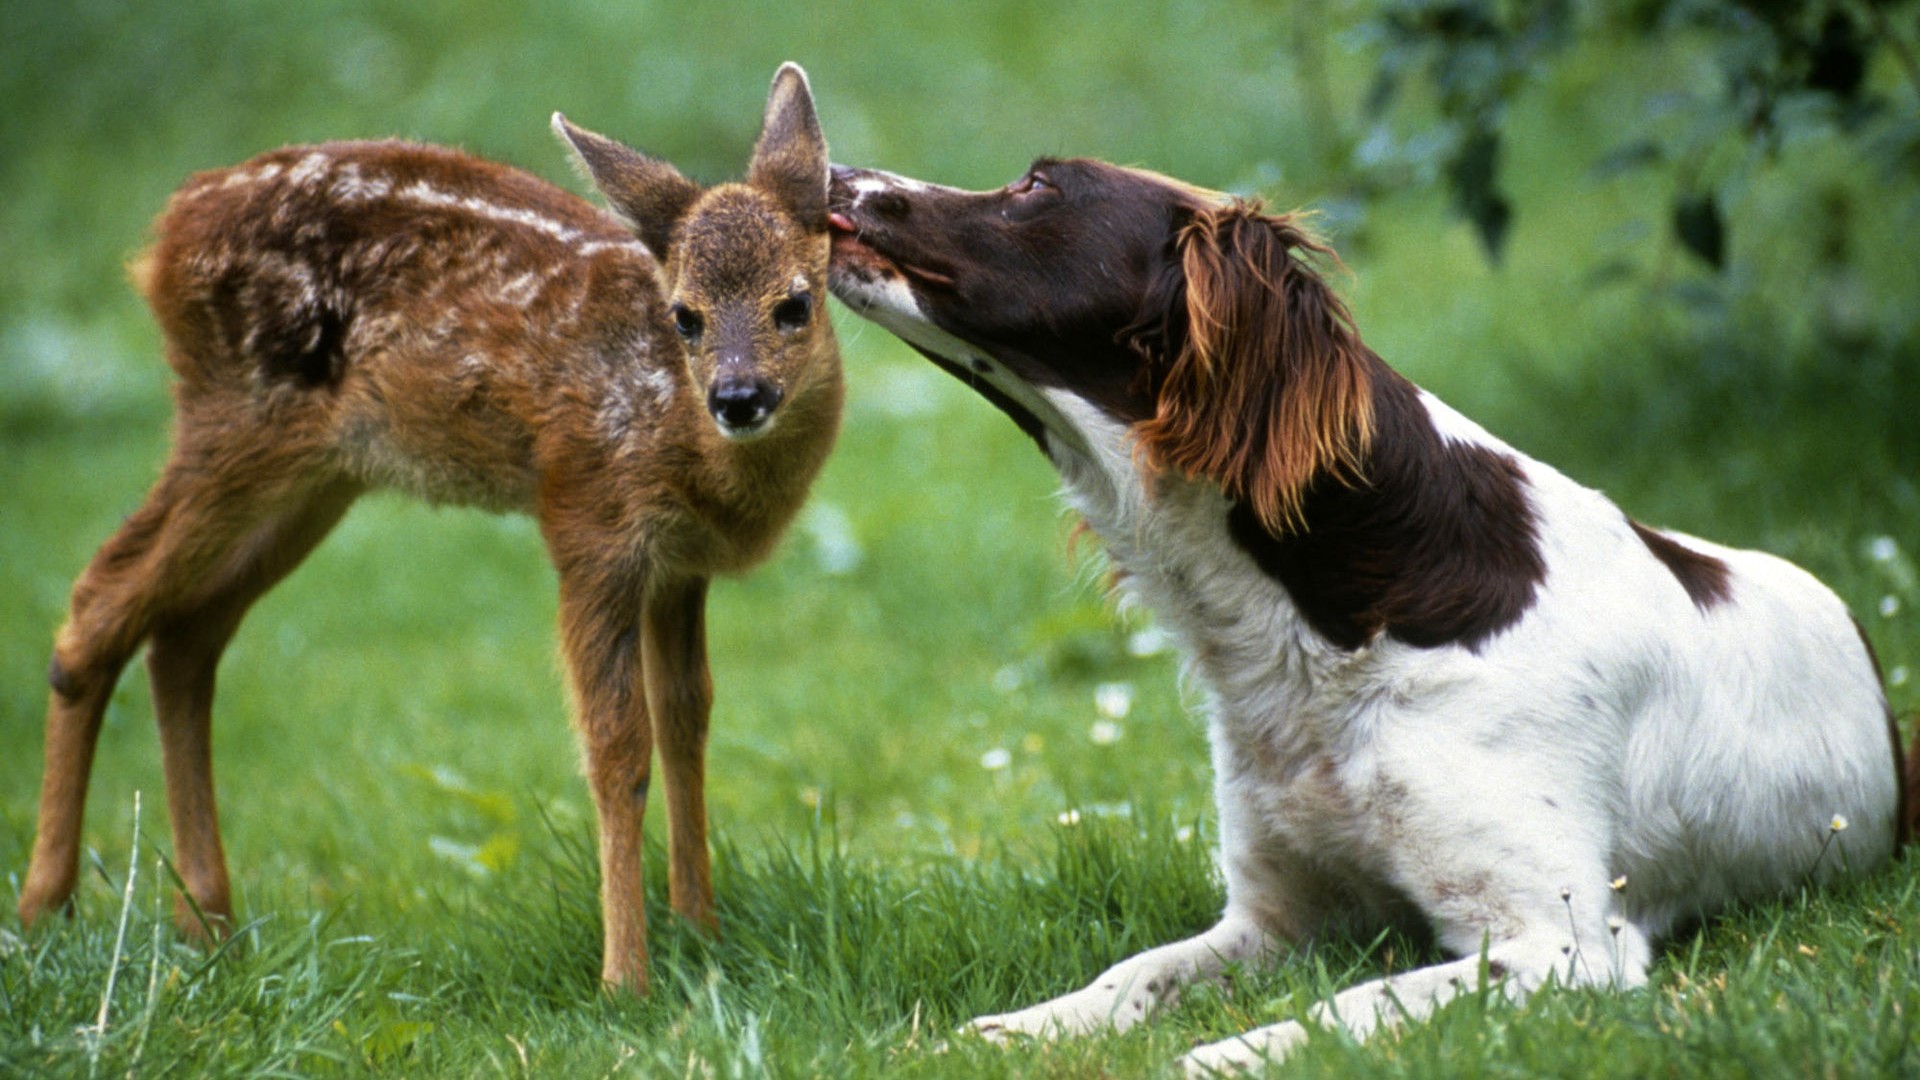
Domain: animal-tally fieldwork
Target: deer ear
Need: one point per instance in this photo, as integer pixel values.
(790, 159)
(648, 192)
(1261, 383)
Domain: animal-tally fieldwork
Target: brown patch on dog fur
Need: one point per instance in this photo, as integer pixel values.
(1906, 767)
(1704, 577)
(1436, 547)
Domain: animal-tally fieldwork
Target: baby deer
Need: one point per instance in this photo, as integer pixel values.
(658, 393)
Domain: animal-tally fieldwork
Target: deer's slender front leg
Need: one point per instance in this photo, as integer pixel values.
(680, 699)
(600, 635)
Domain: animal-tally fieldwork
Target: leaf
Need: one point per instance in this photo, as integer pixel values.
(393, 1040)
(1700, 228)
(495, 806)
(1473, 176)
(1837, 61)
(1638, 154)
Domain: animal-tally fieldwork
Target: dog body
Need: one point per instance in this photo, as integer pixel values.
(1446, 686)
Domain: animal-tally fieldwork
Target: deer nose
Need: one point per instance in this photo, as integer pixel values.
(742, 405)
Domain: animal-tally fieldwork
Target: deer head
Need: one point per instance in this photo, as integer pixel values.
(745, 263)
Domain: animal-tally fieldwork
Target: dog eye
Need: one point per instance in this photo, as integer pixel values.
(793, 312)
(1033, 183)
(687, 322)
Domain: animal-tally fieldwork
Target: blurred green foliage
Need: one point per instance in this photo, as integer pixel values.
(922, 677)
(1846, 72)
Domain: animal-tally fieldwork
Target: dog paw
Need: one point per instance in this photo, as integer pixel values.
(1245, 1054)
(1006, 1028)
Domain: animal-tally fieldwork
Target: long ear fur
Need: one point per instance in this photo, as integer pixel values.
(790, 158)
(648, 192)
(1261, 383)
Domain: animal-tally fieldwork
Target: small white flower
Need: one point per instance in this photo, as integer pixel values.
(1183, 834)
(996, 759)
(836, 548)
(1618, 883)
(1883, 549)
(1104, 733)
(1069, 817)
(1838, 824)
(1614, 924)
(1148, 642)
(1113, 699)
(1889, 606)
(1898, 676)
(466, 856)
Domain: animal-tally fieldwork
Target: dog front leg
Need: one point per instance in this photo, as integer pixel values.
(1133, 988)
(1513, 970)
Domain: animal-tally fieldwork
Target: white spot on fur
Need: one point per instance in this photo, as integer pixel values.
(659, 383)
(350, 186)
(309, 169)
(420, 193)
(628, 247)
(521, 289)
(243, 177)
(873, 182)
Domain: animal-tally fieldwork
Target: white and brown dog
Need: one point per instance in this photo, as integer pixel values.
(1446, 685)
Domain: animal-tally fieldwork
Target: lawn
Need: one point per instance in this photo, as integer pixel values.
(946, 775)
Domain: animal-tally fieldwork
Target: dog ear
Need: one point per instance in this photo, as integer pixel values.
(1259, 380)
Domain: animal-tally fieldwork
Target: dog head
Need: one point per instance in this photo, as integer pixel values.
(1198, 322)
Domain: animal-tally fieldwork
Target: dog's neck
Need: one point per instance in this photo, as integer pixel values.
(1435, 548)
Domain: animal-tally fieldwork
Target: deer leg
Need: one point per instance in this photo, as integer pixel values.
(680, 698)
(106, 622)
(600, 632)
(182, 658)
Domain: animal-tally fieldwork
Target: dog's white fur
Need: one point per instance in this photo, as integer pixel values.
(1615, 731)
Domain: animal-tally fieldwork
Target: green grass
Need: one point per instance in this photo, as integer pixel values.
(409, 834)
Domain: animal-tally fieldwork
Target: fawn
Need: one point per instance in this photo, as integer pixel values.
(658, 392)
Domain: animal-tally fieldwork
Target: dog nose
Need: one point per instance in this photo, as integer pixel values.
(742, 405)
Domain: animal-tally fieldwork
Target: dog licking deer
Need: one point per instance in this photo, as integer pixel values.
(658, 389)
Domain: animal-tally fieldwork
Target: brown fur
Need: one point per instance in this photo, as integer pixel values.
(1704, 577)
(1270, 387)
(1909, 828)
(359, 315)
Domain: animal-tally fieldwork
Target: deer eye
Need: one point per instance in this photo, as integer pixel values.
(793, 312)
(687, 321)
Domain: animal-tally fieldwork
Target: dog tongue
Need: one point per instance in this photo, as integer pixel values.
(842, 222)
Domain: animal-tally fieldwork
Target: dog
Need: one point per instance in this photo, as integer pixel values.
(658, 389)
(1447, 688)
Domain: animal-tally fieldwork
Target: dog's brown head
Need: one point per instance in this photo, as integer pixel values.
(1199, 321)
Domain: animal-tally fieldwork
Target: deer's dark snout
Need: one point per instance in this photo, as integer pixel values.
(742, 404)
